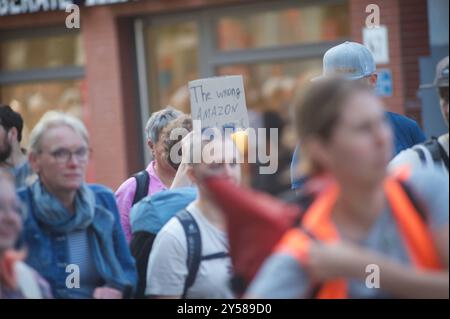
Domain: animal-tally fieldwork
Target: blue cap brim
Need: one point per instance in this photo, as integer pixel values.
(352, 78)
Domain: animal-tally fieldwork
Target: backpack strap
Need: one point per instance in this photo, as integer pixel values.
(142, 183)
(444, 155)
(432, 145)
(194, 248)
(421, 155)
(216, 256)
(436, 150)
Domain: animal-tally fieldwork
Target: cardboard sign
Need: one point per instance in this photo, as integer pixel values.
(219, 102)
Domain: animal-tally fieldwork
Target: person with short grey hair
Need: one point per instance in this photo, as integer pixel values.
(158, 175)
(71, 222)
(158, 121)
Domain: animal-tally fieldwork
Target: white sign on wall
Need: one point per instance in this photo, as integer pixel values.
(219, 102)
(376, 40)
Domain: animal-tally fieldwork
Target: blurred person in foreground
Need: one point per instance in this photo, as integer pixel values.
(17, 280)
(396, 225)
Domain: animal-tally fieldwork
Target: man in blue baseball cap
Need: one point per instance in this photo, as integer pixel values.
(354, 61)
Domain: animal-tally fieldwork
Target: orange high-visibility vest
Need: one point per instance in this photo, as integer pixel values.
(317, 222)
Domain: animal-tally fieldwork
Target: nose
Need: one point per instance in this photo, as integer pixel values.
(73, 161)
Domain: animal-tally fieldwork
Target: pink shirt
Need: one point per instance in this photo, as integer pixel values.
(125, 194)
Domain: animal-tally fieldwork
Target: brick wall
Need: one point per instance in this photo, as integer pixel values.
(111, 85)
(415, 44)
(113, 121)
(407, 25)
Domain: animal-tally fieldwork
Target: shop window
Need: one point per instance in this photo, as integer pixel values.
(173, 61)
(277, 48)
(32, 100)
(271, 92)
(304, 25)
(29, 53)
(42, 71)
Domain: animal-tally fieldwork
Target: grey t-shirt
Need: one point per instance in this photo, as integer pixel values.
(384, 238)
(167, 269)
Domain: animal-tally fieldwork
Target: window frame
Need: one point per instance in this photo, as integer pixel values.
(39, 74)
(209, 57)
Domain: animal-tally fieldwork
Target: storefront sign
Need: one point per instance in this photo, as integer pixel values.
(13, 7)
(376, 40)
(219, 102)
(384, 83)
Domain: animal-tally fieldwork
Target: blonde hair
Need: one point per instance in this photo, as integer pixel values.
(55, 119)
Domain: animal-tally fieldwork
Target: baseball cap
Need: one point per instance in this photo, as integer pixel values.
(441, 77)
(349, 59)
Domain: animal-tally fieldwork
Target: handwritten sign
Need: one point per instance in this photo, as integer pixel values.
(219, 102)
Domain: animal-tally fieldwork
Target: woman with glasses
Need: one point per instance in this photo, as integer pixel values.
(73, 231)
(17, 280)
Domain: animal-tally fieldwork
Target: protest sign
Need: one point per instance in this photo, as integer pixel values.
(219, 102)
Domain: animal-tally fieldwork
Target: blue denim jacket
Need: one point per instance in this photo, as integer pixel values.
(48, 252)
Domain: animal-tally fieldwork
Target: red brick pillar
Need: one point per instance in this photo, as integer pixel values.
(407, 23)
(390, 17)
(106, 93)
(415, 44)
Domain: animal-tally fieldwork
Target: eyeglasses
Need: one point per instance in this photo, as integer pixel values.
(64, 155)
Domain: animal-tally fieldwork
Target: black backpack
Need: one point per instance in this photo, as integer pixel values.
(194, 249)
(142, 183)
(142, 243)
(436, 150)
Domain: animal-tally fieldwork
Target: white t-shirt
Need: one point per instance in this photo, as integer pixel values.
(167, 268)
(410, 156)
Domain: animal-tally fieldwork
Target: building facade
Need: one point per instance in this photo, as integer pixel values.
(130, 58)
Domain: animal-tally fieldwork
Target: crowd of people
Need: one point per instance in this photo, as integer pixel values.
(380, 198)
